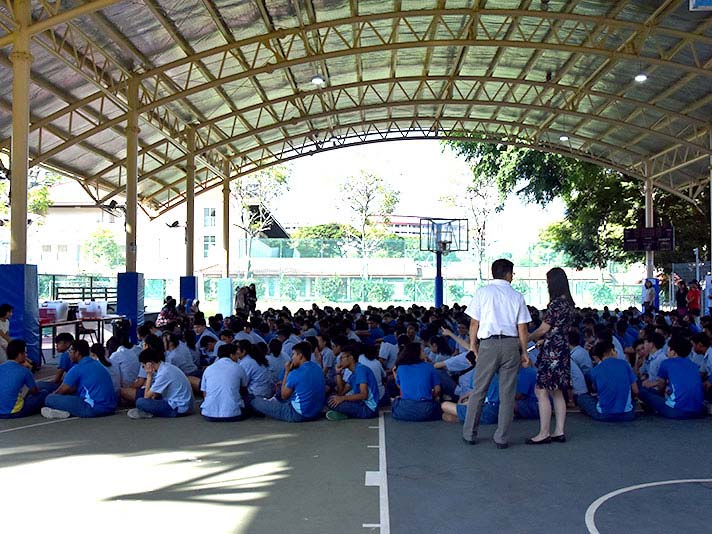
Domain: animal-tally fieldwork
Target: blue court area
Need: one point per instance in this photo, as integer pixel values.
(113, 474)
(439, 484)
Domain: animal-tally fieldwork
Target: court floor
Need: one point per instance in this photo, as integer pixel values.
(260, 476)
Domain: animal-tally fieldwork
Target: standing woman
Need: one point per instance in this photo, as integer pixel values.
(5, 314)
(554, 360)
(649, 299)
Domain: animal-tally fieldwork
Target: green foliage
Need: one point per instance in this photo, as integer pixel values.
(332, 289)
(521, 286)
(420, 290)
(292, 288)
(322, 240)
(368, 196)
(602, 294)
(371, 290)
(38, 192)
(155, 289)
(456, 292)
(102, 249)
(599, 202)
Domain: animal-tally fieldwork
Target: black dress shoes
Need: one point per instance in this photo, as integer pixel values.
(501, 445)
(470, 441)
(561, 438)
(544, 441)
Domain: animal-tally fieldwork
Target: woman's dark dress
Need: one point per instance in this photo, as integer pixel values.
(554, 361)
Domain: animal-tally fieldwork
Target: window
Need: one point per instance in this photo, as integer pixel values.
(209, 217)
(208, 243)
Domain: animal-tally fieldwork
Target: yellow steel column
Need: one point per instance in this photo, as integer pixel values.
(226, 218)
(132, 131)
(190, 206)
(649, 223)
(21, 63)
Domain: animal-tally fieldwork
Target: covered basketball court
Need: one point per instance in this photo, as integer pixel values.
(382, 475)
(151, 102)
(147, 103)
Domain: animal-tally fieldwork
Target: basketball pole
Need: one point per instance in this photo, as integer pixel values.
(438, 278)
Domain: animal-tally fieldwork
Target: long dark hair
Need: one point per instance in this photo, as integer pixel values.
(409, 355)
(558, 284)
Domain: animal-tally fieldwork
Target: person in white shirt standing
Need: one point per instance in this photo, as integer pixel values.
(498, 319)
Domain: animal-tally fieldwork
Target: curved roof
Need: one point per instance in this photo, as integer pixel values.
(240, 73)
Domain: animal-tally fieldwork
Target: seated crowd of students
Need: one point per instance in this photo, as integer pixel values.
(346, 363)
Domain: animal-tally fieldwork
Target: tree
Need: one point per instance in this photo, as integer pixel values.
(479, 200)
(103, 251)
(366, 197)
(39, 183)
(255, 195)
(322, 240)
(599, 202)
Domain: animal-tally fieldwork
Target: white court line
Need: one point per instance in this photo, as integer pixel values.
(595, 505)
(380, 478)
(39, 424)
(51, 422)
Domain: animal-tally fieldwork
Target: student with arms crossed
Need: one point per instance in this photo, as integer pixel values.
(358, 398)
(19, 396)
(303, 390)
(87, 390)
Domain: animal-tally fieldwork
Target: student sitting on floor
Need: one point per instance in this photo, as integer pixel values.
(615, 382)
(19, 395)
(358, 398)
(526, 405)
(126, 361)
(256, 367)
(86, 390)
(303, 390)
(419, 384)
(369, 357)
(276, 360)
(223, 385)
(167, 391)
(680, 381)
(98, 353)
(137, 389)
(62, 342)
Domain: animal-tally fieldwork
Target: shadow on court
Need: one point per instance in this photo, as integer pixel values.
(437, 483)
(187, 475)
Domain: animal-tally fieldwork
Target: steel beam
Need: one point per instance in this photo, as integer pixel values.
(132, 131)
(21, 64)
(190, 206)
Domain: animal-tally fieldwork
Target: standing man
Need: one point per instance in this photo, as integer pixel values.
(498, 319)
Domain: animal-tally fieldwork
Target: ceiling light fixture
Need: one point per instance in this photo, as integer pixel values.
(563, 138)
(640, 78)
(318, 80)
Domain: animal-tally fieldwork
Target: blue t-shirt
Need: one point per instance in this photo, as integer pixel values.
(13, 377)
(685, 384)
(612, 379)
(65, 362)
(526, 382)
(309, 389)
(364, 375)
(417, 381)
(93, 384)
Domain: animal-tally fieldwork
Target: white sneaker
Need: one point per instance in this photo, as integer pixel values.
(135, 413)
(52, 413)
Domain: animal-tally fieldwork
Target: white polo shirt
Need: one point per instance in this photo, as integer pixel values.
(221, 384)
(499, 308)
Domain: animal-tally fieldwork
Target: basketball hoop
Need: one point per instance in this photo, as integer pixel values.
(444, 246)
